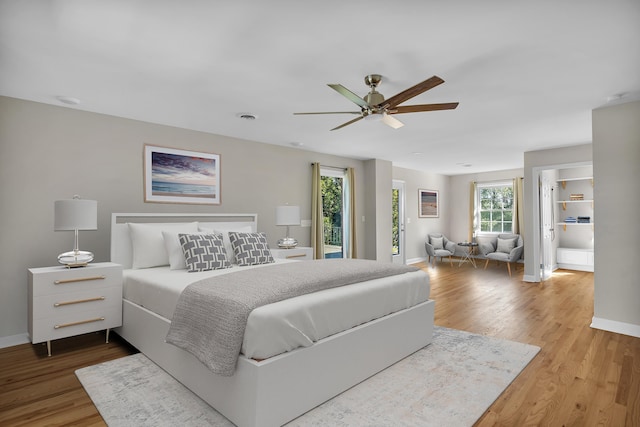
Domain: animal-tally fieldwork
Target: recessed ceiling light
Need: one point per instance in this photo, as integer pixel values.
(246, 116)
(297, 144)
(68, 100)
(417, 153)
(464, 164)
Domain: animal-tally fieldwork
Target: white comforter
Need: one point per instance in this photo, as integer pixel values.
(286, 325)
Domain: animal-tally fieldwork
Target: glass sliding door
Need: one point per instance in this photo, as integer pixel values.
(333, 212)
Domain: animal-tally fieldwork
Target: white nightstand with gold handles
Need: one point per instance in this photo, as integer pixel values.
(64, 302)
(299, 253)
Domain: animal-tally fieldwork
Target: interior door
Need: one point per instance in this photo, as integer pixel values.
(397, 222)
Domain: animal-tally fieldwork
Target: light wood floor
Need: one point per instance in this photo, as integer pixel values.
(581, 377)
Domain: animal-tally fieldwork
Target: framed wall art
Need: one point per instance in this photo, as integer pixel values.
(181, 176)
(428, 203)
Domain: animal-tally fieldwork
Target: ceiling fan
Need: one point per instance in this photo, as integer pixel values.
(374, 103)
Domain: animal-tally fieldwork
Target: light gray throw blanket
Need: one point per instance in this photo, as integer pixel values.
(211, 315)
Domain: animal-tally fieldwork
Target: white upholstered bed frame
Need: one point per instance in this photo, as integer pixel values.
(276, 390)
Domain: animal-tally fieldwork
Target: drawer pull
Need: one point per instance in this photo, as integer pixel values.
(82, 322)
(79, 279)
(78, 301)
(296, 256)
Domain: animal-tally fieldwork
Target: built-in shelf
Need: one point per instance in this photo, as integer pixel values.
(573, 224)
(564, 203)
(575, 243)
(564, 181)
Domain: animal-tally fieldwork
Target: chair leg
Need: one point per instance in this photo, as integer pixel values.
(450, 261)
(486, 264)
(433, 262)
(509, 268)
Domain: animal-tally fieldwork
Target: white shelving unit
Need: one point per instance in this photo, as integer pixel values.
(575, 251)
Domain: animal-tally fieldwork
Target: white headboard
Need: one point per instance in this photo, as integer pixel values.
(121, 250)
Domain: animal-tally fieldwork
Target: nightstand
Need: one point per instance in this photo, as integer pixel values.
(299, 253)
(64, 302)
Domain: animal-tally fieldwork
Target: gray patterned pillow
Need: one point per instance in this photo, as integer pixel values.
(203, 252)
(250, 248)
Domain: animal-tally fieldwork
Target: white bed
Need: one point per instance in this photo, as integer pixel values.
(276, 390)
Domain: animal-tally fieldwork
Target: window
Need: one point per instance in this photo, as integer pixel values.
(494, 207)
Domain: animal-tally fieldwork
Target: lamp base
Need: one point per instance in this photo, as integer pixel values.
(74, 259)
(287, 243)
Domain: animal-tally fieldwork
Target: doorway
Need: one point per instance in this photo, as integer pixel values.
(397, 224)
(333, 211)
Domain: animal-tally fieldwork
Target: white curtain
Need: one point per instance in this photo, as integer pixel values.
(518, 206)
(472, 210)
(350, 213)
(317, 226)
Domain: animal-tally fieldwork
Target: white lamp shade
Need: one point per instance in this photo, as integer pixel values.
(75, 214)
(288, 215)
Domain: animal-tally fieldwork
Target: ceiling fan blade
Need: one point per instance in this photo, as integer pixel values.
(391, 121)
(348, 123)
(423, 107)
(411, 92)
(350, 95)
(331, 112)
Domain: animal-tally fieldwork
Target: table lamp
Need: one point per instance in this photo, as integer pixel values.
(287, 215)
(75, 214)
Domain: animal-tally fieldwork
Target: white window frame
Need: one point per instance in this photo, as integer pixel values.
(479, 187)
(341, 173)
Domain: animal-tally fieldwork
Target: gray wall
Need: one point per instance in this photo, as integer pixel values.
(49, 153)
(460, 189)
(378, 205)
(417, 228)
(616, 166)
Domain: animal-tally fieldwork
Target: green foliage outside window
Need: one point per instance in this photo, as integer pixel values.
(332, 209)
(395, 230)
(496, 208)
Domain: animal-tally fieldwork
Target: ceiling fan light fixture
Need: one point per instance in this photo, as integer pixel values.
(374, 107)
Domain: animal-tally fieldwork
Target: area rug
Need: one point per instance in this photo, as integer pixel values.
(450, 382)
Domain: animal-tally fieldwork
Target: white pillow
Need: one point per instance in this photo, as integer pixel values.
(148, 244)
(231, 257)
(174, 249)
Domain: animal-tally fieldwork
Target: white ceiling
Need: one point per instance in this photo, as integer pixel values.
(526, 73)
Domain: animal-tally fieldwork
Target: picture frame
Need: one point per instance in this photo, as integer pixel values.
(174, 175)
(428, 204)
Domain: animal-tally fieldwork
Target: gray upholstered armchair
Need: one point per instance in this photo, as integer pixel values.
(438, 245)
(505, 247)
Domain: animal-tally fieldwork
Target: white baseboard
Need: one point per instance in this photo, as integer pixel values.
(615, 326)
(12, 340)
(416, 260)
(529, 278)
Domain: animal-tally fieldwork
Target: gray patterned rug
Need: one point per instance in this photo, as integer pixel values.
(451, 382)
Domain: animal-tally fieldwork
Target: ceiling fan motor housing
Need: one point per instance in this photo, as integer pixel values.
(374, 98)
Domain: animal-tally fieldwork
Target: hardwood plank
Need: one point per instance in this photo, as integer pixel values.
(581, 376)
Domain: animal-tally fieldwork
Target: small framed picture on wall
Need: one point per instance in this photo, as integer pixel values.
(428, 203)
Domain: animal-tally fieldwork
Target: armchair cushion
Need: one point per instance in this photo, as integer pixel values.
(486, 248)
(437, 243)
(506, 245)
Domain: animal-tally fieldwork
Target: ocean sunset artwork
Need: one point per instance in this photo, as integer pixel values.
(179, 176)
(428, 200)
